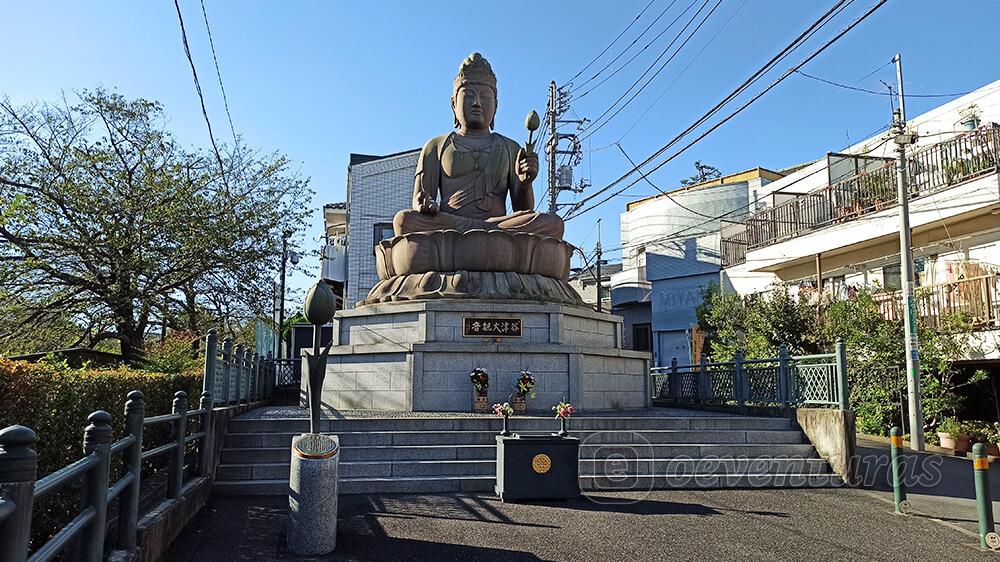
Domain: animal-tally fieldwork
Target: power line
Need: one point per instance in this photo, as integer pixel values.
(201, 97)
(653, 64)
(629, 46)
(613, 41)
(678, 77)
(645, 177)
(740, 109)
(211, 43)
(746, 83)
(877, 93)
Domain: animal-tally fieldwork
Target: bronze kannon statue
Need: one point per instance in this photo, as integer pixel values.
(458, 240)
(464, 177)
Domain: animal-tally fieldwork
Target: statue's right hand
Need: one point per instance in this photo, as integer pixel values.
(428, 208)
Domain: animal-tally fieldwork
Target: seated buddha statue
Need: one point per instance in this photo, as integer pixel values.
(463, 178)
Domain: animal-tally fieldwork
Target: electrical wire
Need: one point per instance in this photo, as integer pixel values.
(615, 40)
(749, 102)
(629, 46)
(678, 77)
(201, 97)
(596, 127)
(225, 100)
(645, 177)
(819, 23)
(877, 93)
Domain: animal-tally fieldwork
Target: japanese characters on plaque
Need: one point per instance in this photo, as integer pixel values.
(491, 327)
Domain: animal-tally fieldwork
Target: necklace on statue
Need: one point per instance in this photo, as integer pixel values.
(475, 152)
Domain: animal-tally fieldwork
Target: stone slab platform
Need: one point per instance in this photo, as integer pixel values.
(413, 356)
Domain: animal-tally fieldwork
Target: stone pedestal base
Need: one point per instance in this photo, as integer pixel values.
(312, 501)
(417, 356)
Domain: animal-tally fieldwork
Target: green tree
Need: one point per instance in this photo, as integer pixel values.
(107, 220)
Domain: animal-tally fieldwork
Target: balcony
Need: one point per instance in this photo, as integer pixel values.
(976, 298)
(931, 169)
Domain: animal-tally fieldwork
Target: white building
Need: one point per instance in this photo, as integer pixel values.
(832, 225)
(377, 188)
(670, 250)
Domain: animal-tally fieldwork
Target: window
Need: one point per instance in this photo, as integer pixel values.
(382, 231)
(642, 337)
(892, 279)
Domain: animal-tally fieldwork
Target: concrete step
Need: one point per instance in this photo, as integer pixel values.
(411, 485)
(468, 437)
(645, 482)
(610, 467)
(365, 469)
(252, 455)
(517, 423)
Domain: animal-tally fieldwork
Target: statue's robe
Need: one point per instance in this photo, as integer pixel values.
(472, 187)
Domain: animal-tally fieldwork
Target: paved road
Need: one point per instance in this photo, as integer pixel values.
(938, 486)
(698, 525)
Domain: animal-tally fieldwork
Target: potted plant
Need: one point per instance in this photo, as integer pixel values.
(963, 441)
(993, 444)
(525, 386)
(480, 387)
(947, 430)
(563, 411)
(968, 118)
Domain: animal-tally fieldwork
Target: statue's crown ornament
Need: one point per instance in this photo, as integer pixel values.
(475, 69)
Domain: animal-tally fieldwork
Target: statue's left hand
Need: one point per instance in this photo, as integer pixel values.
(527, 166)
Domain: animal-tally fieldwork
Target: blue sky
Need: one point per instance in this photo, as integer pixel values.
(319, 80)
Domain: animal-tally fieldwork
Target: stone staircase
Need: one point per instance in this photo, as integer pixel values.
(661, 449)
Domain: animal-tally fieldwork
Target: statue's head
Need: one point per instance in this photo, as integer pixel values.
(474, 100)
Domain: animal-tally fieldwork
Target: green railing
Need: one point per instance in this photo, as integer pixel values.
(240, 377)
(784, 381)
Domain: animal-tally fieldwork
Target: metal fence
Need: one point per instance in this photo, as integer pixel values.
(243, 378)
(785, 381)
(931, 169)
(976, 298)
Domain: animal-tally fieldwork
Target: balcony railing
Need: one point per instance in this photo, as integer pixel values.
(931, 169)
(976, 298)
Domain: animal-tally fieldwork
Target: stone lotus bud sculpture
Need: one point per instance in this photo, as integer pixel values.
(531, 122)
(320, 306)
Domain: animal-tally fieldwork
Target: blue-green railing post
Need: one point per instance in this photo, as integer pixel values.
(238, 357)
(739, 382)
(255, 379)
(984, 504)
(247, 372)
(128, 504)
(783, 386)
(227, 368)
(175, 474)
(18, 470)
(269, 378)
(96, 441)
(843, 392)
(211, 355)
(704, 381)
(675, 383)
(898, 466)
(207, 445)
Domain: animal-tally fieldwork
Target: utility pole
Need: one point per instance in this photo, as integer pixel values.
(558, 180)
(903, 138)
(600, 299)
(553, 144)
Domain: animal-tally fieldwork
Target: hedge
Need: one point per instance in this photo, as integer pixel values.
(55, 401)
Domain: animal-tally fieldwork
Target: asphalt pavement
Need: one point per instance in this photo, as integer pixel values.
(762, 524)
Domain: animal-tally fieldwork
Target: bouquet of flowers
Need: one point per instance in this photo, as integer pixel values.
(564, 410)
(503, 410)
(480, 379)
(525, 385)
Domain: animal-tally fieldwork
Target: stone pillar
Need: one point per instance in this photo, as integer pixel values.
(312, 497)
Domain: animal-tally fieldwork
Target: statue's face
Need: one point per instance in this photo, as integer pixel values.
(474, 106)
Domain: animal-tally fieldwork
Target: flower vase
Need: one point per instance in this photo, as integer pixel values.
(480, 401)
(504, 431)
(563, 422)
(518, 404)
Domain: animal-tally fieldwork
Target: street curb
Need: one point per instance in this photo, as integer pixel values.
(929, 449)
